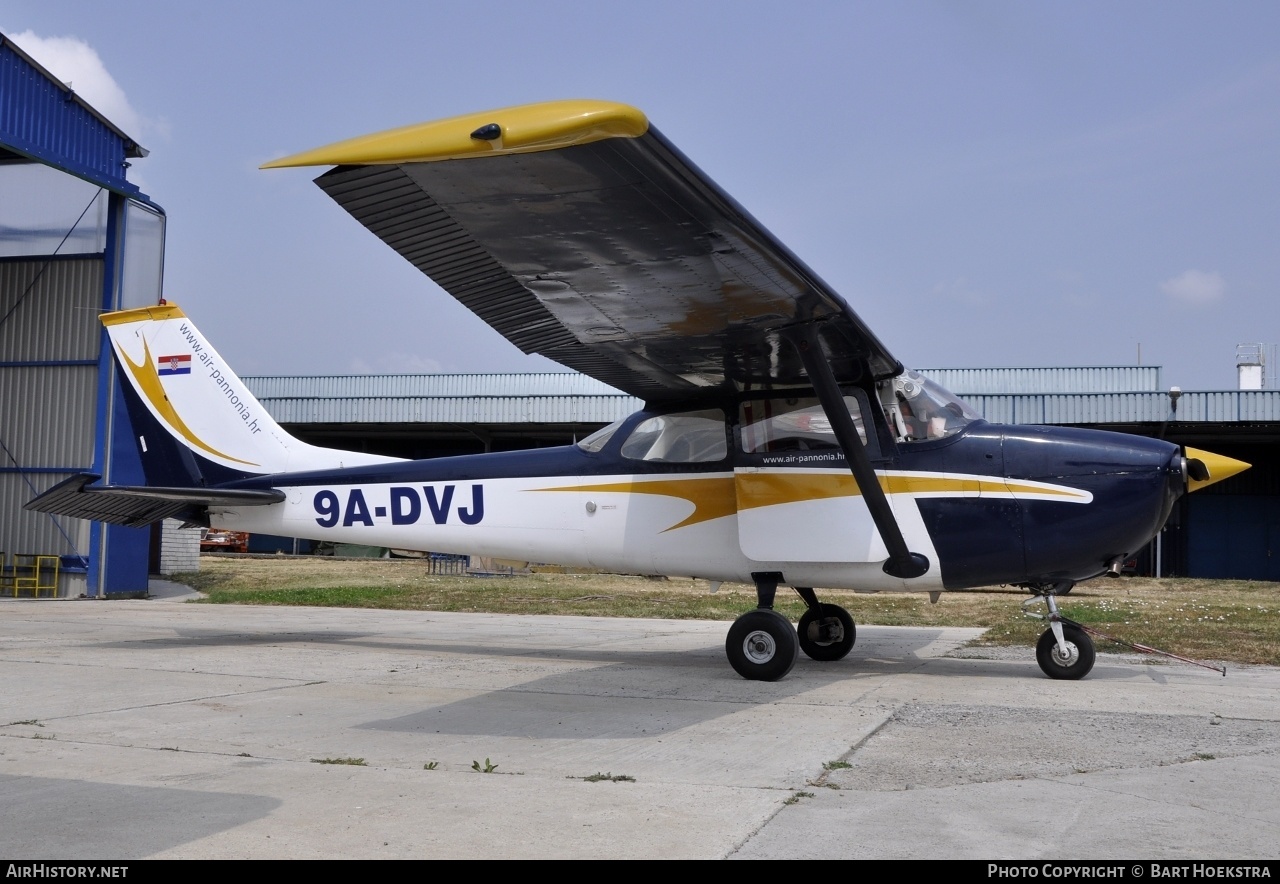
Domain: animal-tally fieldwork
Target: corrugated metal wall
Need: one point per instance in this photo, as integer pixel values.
(48, 416)
(391, 385)
(1228, 406)
(968, 382)
(62, 294)
(453, 410)
(567, 398)
(547, 397)
(48, 386)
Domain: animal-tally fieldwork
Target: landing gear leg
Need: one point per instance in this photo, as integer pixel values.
(1065, 651)
(826, 632)
(761, 644)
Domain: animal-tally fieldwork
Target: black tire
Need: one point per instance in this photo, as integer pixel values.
(1079, 659)
(826, 633)
(762, 646)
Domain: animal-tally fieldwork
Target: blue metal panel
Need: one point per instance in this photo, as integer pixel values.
(124, 573)
(106, 384)
(42, 119)
(1230, 537)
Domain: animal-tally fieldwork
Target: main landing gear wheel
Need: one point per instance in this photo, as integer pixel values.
(826, 632)
(761, 645)
(1073, 660)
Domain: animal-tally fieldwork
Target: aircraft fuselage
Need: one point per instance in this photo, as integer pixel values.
(988, 505)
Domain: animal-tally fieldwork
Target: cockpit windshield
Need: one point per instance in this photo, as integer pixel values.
(920, 409)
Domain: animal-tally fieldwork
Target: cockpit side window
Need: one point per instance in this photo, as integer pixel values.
(679, 437)
(919, 409)
(796, 424)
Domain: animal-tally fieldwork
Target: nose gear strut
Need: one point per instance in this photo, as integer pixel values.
(1065, 650)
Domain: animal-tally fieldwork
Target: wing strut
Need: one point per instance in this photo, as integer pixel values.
(902, 562)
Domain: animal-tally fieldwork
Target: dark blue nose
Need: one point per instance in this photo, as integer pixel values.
(1131, 483)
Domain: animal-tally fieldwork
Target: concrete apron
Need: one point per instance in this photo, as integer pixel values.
(155, 728)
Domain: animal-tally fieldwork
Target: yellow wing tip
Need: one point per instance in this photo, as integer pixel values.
(1219, 466)
(520, 129)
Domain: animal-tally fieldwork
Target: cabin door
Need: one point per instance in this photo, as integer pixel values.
(797, 500)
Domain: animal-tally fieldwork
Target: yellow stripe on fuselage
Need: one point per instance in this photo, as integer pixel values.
(716, 497)
(774, 488)
(712, 498)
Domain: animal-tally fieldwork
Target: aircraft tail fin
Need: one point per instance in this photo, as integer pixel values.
(195, 421)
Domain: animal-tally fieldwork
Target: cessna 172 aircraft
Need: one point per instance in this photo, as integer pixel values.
(781, 443)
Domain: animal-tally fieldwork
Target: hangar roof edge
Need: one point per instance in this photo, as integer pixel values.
(44, 119)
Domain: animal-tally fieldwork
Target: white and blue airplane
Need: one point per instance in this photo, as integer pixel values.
(780, 444)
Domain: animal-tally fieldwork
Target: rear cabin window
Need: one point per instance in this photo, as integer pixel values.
(600, 438)
(680, 437)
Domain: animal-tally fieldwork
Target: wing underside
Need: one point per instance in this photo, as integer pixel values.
(616, 257)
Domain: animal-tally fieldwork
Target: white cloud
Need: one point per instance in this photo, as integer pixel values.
(1195, 287)
(76, 63)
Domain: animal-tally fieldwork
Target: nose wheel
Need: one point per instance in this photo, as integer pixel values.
(1071, 658)
(1065, 651)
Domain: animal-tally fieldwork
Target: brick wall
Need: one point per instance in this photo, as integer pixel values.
(179, 548)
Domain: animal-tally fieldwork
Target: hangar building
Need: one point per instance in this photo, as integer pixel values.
(76, 238)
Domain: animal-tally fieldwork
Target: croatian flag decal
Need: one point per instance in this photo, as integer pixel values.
(173, 365)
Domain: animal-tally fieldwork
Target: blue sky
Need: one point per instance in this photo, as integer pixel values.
(986, 183)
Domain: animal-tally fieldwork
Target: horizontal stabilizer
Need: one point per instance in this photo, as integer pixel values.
(138, 506)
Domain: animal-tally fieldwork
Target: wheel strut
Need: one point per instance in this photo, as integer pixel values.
(826, 632)
(1065, 650)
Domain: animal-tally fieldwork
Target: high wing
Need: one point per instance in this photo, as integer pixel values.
(577, 231)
